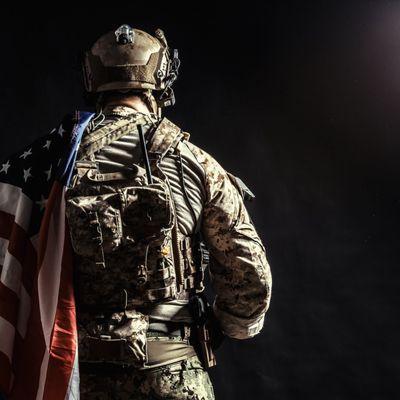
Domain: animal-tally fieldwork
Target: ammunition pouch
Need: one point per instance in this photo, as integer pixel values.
(117, 215)
(120, 338)
(131, 340)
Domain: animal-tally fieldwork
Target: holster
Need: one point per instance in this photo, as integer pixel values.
(200, 310)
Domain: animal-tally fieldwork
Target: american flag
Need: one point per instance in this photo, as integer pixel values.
(38, 340)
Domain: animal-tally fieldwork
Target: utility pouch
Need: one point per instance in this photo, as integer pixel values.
(94, 223)
(149, 208)
(124, 343)
(134, 331)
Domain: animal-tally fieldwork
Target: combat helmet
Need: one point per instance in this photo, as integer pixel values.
(131, 59)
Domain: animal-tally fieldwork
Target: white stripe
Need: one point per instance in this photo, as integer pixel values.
(12, 269)
(73, 386)
(50, 271)
(49, 282)
(14, 202)
(43, 373)
(3, 249)
(11, 278)
(7, 338)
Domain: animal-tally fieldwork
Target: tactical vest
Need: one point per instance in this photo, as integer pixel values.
(123, 225)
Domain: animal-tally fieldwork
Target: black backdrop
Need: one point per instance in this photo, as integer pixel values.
(301, 100)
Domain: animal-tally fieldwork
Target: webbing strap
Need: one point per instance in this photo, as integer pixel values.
(159, 353)
(163, 352)
(162, 293)
(166, 136)
(102, 137)
(177, 311)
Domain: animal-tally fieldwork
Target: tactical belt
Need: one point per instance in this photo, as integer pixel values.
(174, 311)
(159, 353)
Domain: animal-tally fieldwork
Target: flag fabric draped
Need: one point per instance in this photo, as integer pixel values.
(38, 339)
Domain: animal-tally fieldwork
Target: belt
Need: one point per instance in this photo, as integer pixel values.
(159, 353)
(167, 329)
(176, 310)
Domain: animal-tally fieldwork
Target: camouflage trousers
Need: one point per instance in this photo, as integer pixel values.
(184, 380)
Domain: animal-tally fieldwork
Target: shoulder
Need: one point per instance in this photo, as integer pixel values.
(217, 182)
(216, 177)
(206, 160)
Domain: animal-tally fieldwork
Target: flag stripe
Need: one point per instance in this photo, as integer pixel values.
(38, 338)
(51, 249)
(13, 201)
(12, 269)
(5, 375)
(28, 355)
(7, 338)
(64, 336)
(19, 247)
(73, 385)
(24, 311)
(50, 257)
(9, 303)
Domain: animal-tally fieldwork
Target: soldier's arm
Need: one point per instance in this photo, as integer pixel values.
(239, 269)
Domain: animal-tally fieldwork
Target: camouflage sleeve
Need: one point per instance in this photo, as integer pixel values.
(239, 269)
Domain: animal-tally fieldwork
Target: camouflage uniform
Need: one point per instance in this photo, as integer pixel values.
(185, 380)
(239, 269)
(205, 199)
(241, 280)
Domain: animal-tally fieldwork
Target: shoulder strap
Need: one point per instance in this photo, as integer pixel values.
(165, 137)
(102, 137)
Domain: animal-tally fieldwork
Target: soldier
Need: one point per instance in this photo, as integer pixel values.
(147, 212)
(143, 204)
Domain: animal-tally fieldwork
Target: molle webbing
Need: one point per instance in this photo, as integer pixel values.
(160, 352)
(161, 140)
(175, 311)
(165, 137)
(96, 140)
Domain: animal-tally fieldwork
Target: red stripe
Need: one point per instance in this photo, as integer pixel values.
(54, 197)
(29, 354)
(64, 340)
(9, 303)
(5, 375)
(20, 247)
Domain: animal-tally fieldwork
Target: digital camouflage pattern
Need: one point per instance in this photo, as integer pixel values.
(121, 234)
(185, 380)
(240, 272)
(127, 342)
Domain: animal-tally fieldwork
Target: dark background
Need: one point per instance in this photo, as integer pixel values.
(301, 100)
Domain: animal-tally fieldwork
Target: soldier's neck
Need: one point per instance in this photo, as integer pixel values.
(132, 102)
